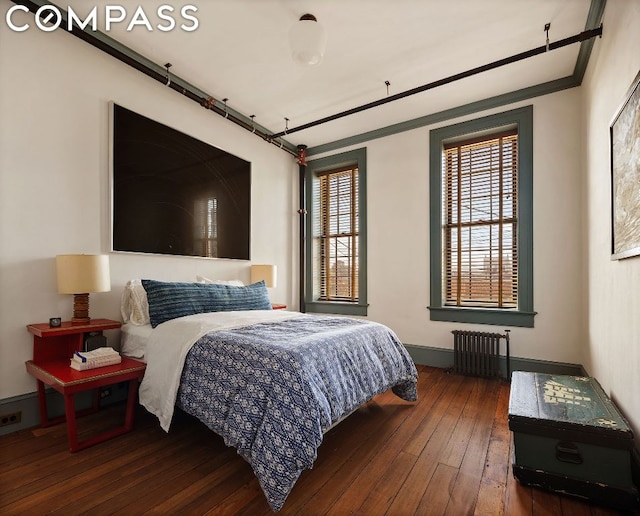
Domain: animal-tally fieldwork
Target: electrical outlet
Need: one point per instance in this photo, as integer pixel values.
(11, 419)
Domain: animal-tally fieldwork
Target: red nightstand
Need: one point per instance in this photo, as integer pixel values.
(52, 351)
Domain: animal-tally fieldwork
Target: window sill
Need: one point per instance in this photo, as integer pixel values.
(483, 316)
(335, 307)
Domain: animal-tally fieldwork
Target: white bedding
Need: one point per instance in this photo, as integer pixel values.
(169, 343)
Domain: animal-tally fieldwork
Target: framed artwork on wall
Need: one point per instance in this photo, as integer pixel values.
(624, 136)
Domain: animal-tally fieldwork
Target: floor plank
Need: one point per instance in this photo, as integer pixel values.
(438, 494)
(465, 491)
(491, 495)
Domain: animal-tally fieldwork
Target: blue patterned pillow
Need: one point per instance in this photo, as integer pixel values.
(171, 300)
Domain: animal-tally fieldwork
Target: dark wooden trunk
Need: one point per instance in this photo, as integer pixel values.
(570, 438)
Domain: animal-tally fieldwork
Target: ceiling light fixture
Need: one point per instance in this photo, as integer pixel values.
(308, 39)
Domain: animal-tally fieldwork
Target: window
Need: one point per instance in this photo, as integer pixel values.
(335, 261)
(481, 221)
(338, 235)
(480, 225)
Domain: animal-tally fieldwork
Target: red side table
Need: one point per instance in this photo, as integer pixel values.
(52, 351)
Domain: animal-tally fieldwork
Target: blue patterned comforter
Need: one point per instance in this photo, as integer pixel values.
(272, 389)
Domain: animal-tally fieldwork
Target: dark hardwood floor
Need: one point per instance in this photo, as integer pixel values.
(449, 453)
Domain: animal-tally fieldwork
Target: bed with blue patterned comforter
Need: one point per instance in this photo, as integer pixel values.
(272, 389)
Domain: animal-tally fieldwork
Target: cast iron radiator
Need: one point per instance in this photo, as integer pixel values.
(477, 353)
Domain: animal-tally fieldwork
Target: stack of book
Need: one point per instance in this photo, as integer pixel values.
(99, 357)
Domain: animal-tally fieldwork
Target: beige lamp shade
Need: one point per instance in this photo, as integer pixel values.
(266, 273)
(80, 274)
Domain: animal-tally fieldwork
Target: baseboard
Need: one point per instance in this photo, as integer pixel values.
(27, 405)
(443, 358)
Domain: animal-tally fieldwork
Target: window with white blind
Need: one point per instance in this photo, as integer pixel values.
(336, 228)
(481, 220)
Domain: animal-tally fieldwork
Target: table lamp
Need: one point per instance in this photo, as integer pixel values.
(80, 274)
(266, 273)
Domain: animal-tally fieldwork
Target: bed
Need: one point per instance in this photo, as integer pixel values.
(270, 382)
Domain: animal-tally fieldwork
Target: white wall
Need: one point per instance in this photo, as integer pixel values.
(54, 187)
(398, 235)
(612, 346)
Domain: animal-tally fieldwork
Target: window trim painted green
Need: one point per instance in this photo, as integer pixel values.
(357, 157)
(523, 316)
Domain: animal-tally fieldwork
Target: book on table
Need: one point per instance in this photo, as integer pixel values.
(99, 357)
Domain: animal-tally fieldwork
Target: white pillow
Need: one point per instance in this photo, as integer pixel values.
(134, 305)
(234, 283)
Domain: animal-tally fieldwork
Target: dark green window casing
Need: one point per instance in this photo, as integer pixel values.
(356, 158)
(523, 315)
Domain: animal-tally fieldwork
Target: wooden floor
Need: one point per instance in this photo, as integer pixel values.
(449, 453)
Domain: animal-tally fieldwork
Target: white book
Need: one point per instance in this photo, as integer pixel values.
(92, 364)
(97, 358)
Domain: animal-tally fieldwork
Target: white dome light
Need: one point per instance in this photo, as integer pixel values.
(307, 39)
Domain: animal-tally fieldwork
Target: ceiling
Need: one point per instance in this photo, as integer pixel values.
(240, 51)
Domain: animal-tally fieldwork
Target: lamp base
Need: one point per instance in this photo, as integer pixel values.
(80, 309)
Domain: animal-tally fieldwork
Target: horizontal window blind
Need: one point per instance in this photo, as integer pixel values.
(480, 222)
(338, 250)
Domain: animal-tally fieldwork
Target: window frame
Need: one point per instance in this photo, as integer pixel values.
(523, 315)
(316, 167)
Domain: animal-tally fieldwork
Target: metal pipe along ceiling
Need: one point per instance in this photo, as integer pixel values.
(583, 36)
(161, 74)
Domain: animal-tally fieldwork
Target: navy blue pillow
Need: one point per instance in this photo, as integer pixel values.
(171, 300)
